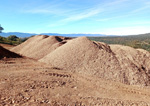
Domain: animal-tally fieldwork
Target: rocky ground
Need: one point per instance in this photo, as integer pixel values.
(26, 82)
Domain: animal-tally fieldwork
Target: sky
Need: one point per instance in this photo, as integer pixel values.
(110, 17)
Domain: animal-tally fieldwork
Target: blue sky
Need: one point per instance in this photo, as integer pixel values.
(117, 17)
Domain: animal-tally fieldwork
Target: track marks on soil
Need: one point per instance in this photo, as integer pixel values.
(134, 91)
(56, 74)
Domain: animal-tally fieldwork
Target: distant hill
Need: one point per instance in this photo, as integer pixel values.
(97, 37)
(19, 34)
(136, 41)
(77, 35)
(121, 39)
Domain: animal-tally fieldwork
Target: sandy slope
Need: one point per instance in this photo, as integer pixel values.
(26, 82)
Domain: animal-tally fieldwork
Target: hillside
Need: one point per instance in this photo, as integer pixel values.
(135, 41)
(20, 34)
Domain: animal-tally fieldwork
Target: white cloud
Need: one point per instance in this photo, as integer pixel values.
(88, 12)
(76, 14)
(116, 2)
(112, 18)
(141, 9)
(52, 7)
(72, 14)
(83, 15)
(146, 6)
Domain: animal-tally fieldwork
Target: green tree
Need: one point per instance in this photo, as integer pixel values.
(13, 38)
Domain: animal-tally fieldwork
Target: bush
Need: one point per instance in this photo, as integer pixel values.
(12, 40)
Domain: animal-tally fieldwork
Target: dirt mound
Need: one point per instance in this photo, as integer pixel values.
(8, 54)
(134, 64)
(113, 62)
(38, 46)
(84, 56)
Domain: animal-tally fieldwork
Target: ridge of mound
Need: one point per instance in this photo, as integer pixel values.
(8, 54)
(114, 62)
(38, 46)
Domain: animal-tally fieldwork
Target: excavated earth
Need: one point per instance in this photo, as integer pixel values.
(112, 62)
(26, 82)
(60, 71)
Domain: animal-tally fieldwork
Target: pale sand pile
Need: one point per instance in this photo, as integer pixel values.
(114, 62)
(83, 55)
(39, 46)
(4, 53)
(119, 63)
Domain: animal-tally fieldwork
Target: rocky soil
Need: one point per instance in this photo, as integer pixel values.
(26, 82)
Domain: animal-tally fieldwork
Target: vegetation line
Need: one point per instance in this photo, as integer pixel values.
(12, 40)
(136, 41)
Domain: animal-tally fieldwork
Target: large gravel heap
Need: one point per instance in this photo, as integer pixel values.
(112, 62)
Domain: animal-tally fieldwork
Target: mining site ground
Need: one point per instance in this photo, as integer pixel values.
(27, 82)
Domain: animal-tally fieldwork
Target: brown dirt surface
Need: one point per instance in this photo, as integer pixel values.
(39, 46)
(4, 53)
(27, 82)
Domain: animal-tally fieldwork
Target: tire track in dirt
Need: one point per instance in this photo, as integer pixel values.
(134, 91)
(57, 74)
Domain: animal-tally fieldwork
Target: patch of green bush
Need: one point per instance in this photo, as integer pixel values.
(12, 40)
